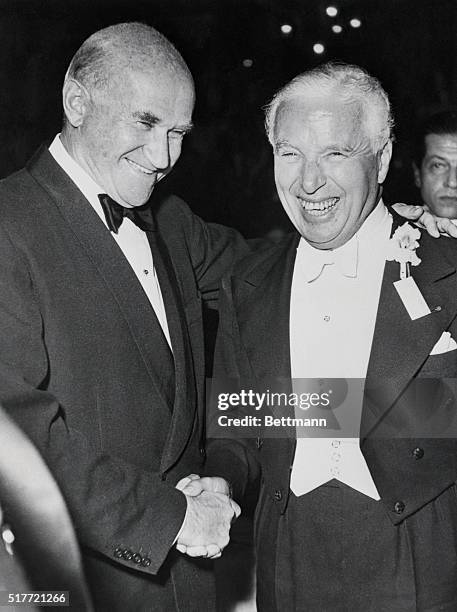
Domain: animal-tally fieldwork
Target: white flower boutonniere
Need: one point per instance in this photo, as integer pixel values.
(402, 248)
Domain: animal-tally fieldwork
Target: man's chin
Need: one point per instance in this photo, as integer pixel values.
(137, 202)
(447, 207)
(324, 241)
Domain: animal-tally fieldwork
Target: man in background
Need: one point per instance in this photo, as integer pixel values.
(435, 163)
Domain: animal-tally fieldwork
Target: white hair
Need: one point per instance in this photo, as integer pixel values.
(351, 84)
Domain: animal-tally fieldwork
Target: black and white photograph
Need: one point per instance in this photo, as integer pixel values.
(228, 305)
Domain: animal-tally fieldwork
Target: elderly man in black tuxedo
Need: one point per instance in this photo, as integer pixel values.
(363, 517)
(101, 323)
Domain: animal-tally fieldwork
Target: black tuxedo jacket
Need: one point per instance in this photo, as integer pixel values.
(408, 430)
(85, 371)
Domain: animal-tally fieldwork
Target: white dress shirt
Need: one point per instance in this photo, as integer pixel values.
(131, 239)
(334, 302)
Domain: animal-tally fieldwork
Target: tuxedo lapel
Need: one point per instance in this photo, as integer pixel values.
(110, 262)
(400, 345)
(263, 299)
(185, 392)
(263, 307)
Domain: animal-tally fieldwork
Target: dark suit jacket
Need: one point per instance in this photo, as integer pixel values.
(84, 371)
(408, 429)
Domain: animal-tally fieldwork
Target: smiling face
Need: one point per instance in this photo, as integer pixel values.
(326, 173)
(129, 136)
(437, 176)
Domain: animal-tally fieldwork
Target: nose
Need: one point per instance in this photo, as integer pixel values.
(312, 178)
(451, 178)
(157, 150)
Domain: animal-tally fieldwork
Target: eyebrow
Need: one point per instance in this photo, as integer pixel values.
(340, 147)
(282, 143)
(336, 146)
(154, 120)
(429, 157)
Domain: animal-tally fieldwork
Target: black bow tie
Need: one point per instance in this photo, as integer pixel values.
(115, 213)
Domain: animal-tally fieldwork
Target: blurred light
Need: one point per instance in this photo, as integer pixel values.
(355, 23)
(247, 63)
(286, 28)
(331, 11)
(318, 48)
(337, 29)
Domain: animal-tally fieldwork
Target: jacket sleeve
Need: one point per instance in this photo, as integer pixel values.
(234, 459)
(213, 249)
(118, 510)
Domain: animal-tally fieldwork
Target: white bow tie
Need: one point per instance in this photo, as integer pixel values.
(344, 258)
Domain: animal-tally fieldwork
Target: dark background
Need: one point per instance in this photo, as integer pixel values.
(225, 172)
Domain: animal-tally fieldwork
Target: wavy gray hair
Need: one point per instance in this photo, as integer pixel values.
(350, 83)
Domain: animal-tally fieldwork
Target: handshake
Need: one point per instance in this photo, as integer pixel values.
(210, 513)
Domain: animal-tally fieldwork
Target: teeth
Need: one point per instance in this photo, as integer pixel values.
(138, 167)
(319, 208)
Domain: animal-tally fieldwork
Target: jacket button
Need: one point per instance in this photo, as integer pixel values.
(278, 495)
(399, 507)
(418, 453)
(145, 562)
(118, 553)
(137, 558)
(127, 554)
(202, 450)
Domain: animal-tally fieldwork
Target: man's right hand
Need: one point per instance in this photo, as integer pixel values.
(205, 531)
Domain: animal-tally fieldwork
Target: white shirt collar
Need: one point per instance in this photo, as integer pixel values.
(78, 175)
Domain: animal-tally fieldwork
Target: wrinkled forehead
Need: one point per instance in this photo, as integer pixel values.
(319, 117)
(152, 74)
(145, 89)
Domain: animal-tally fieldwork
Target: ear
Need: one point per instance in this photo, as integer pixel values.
(384, 157)
(417, 176)
(75, 102)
